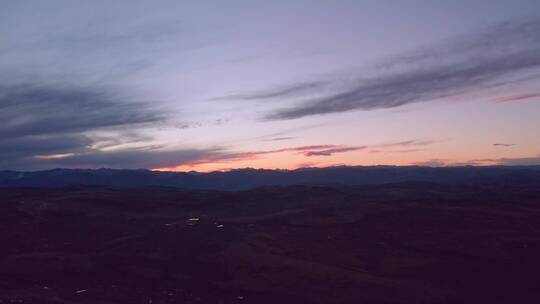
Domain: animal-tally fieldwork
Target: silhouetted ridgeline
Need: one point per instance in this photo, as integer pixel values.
(241, 179)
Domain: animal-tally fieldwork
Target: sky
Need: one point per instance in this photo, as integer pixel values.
(216, 85)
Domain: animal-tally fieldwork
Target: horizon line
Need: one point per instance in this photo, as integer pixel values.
(276, 169)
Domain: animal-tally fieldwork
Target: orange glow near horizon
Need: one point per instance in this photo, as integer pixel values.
(291, 161)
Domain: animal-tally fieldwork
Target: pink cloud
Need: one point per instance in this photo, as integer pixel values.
(516, 98)
(329, 152)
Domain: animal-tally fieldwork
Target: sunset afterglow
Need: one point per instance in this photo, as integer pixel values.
(261, 84)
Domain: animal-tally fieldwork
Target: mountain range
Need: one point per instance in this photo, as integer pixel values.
(243, 179)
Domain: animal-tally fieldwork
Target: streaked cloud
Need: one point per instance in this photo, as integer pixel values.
(407, 143)
(435, 162)
(281, 138)
(43, 120)
(504, 54)
(306, 165)
(40, 109)
(130, 158)
(503, 145)
(219, 156)
(286, 91)
(503, 161)
(517, 161)
(227, 156)
(331, 151)
(516, 98)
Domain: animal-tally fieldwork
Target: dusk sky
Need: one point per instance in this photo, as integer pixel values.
(214, 85)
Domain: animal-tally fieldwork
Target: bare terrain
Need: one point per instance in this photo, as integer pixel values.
(394, 243)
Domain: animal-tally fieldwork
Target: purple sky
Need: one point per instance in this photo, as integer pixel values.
(205, 85)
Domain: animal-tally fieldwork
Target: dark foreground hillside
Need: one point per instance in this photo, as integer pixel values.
(397, 243)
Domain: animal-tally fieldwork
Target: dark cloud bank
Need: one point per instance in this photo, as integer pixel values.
(40, 110)
(40, 121)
